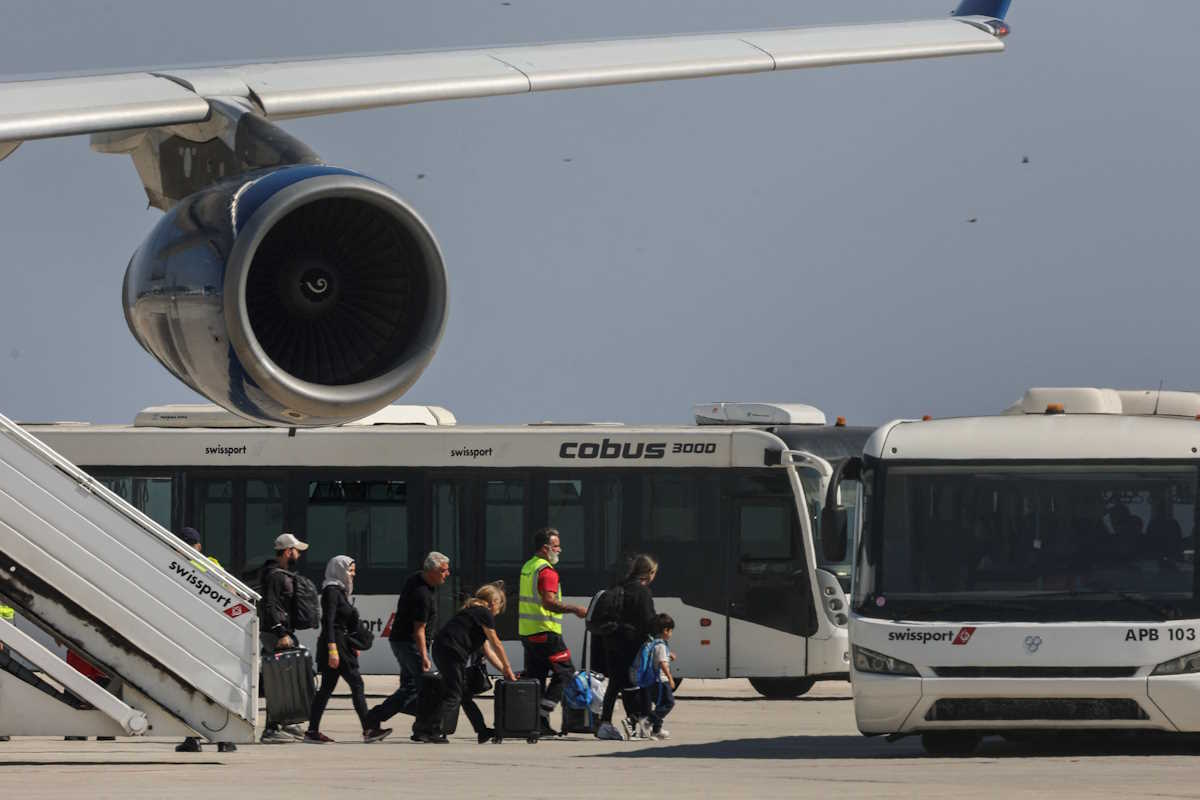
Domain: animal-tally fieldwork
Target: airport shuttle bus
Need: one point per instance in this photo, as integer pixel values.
(1034, 570)
(729, 506)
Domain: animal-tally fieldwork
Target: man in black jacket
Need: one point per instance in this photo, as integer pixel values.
(277, 629)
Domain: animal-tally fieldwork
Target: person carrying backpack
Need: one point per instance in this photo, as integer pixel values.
(651, 672)
(277, 616)
(629, 629)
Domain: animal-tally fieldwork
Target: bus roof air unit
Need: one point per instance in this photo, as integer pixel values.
(1127, 402)
(757, 414)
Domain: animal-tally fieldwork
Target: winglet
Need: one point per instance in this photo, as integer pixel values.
(996, 9)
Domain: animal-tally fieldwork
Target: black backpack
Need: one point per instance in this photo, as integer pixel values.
(306, 603)
(604, 612)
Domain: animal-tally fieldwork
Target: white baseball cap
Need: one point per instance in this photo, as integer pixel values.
(285, 540)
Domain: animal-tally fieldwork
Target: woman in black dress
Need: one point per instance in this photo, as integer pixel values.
(334, 657)
(470, 631)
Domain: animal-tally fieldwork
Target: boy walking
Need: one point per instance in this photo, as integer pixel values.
(661, 656)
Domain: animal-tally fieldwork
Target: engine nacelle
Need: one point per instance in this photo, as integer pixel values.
(306, 295)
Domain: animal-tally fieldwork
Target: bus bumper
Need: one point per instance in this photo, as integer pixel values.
(897, 704)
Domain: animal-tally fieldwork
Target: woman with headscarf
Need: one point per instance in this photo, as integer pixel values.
(334, 657)
(620, 650)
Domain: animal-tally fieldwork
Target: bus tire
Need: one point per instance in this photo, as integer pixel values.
(950, 743)
(782, 688)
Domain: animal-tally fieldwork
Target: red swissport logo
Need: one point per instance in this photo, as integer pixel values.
(387, 629)
(233, 612)
(964, 636)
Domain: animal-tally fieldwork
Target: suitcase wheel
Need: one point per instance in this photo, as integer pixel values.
(532, 740)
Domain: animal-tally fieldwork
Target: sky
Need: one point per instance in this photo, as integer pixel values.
(622, 253)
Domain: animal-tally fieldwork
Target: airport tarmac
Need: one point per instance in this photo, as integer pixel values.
(726, 742)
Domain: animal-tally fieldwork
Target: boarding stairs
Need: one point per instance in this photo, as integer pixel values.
(176, 635)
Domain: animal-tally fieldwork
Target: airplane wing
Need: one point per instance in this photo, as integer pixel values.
(38, 109)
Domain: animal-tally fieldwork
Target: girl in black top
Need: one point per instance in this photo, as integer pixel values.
(471, 630)
(620, 649)
(334, 657)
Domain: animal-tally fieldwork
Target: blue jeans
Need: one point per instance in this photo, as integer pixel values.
(404, 699)
(664, 702)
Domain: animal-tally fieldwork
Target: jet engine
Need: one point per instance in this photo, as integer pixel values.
(303, 295)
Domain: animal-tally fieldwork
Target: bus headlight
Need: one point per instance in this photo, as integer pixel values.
(869, 661)
(1179, 666)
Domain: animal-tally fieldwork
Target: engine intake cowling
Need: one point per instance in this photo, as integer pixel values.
(303, 296)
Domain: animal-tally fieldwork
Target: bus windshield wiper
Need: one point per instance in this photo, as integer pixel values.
(1133, 598)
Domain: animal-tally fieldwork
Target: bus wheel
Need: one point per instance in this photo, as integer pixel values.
(950, 743)
(782, 688)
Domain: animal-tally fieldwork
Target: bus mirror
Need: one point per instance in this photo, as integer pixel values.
(833, 533)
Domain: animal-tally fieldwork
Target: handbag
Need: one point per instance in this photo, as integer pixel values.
(477, 678)
(361, 638)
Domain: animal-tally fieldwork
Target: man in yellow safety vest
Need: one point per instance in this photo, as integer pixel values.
(539, 621)
(8, 615)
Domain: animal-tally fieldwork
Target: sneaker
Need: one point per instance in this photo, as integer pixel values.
(74, 738)
(430, 738)
(486, 735)
(545, 731)
(376, 734)
(661, 733)
(316, 737)
(629, 728)
(275, 736)
(106, 738)
(226, 747)
(189, 745)
(294, 732)
(609, 731)
(5, 738)
(644, 728)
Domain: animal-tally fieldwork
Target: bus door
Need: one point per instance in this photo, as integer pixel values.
(449, 516)
(238, 517)
(501, 527)
(770, 602)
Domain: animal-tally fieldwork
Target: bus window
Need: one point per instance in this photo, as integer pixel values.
(366, 520)
(151, 496)
(264, 519)
(765, 528)
(566, 512)
(672, 508)
(212, 515)
(504, 523)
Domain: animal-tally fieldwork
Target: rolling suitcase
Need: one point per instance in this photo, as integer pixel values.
(581, 720)
(430, 700)
(517, 704)
(289, 685)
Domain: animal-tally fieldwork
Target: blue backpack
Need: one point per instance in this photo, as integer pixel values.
(644, 671)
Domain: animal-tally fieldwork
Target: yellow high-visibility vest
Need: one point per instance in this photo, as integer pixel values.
(531, 616)
(7, 613)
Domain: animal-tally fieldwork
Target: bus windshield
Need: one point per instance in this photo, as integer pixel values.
(1044, 543)
(815, 496)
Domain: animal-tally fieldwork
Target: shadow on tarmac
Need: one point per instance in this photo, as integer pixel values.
(1059, 745)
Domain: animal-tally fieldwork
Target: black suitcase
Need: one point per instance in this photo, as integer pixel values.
(289, 685)
(517, 705)
(580, 720)
(430, 700)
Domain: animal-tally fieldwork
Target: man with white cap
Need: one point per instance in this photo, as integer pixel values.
(276, 625)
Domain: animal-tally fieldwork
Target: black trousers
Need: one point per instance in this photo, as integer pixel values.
(347, 668)
(619, 655)
(546, 654)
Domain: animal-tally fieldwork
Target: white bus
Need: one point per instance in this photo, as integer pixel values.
(729, 507)
(1034, 570)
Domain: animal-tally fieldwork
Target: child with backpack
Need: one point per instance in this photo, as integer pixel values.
(651, 672)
